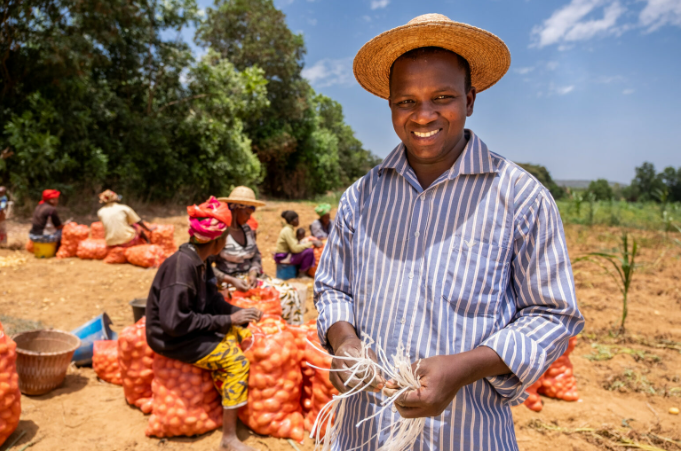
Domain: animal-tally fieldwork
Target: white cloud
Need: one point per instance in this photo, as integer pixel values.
(568, 23)
(329, 72)
(378, 4)
(366, 18)
(661, 12)
(562, 91)
(552, 65)
(312, 22)
(523, 71)
(628, 91)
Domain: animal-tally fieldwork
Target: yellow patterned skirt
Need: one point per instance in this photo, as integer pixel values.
(229, 368)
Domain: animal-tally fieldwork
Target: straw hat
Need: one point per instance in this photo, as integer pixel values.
(487, 55)
(242, 195)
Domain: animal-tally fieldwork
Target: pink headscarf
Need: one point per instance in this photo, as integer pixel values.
(208, 220)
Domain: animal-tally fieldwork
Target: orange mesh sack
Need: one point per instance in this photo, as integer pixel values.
(273, 406)
(145, 255)
(265, 299)
(71, 235)
(533, 401)
(164, 237)
(97, 230)
(317, 257)
(105, 361)
(92, 249)
(185, 400)
(10, 397)
(559, 380)
(322, 388)
(29, 247)
(116, 255)
(135, 360)
(300, 334)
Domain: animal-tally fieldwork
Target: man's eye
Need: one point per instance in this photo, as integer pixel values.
(442, 97)
(407, 101)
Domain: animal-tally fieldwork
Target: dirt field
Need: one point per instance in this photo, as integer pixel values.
(627, 384)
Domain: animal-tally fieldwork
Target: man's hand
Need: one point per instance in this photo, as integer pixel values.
(245, 316)
(441, 379)
(344, 341)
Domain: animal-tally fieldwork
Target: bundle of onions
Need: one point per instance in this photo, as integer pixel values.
(404, 432)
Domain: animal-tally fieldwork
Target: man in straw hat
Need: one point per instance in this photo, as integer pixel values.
(445, 248)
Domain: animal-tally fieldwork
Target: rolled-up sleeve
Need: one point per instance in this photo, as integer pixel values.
(333, 280)
(545, 303)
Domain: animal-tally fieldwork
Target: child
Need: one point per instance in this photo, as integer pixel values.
(300, 235)
(189, 320)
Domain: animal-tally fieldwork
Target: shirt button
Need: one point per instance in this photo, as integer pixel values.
(411, 275)
(403, 320)
(416, 234)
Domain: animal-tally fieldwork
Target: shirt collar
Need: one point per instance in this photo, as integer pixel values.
(475, 159)
(187, 250)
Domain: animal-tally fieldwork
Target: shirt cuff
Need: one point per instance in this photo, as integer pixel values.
(523, 356)
(330, 315)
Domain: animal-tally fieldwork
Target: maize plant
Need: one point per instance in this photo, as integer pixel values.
(624, 265)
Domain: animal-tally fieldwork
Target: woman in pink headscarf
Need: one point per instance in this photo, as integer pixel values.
(189, 320)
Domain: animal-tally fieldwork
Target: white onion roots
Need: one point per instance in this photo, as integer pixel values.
(403, 432)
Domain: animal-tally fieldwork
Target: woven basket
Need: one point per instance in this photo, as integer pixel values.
(43, 357)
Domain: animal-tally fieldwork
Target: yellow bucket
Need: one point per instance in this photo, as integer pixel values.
(44, 249)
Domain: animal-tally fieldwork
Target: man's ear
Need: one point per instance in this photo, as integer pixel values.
(470, 101)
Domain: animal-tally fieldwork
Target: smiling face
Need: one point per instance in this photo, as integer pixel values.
(429, 105)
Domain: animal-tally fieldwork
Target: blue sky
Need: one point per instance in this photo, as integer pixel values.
(594, 87)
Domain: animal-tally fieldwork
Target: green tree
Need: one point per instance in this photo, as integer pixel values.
(672, 179)
(542, 174)
(601, 189)
(645, 184)
(301, 139)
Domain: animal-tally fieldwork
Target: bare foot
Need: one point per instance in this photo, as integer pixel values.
(234, 444)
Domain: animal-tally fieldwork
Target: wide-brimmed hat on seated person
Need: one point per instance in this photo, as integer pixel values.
(108, 196)
(242, 196)
(486, 54)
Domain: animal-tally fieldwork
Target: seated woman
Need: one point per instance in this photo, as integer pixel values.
(189, 320)
(240, 262)
(46, 225)
(122, 226)
(289, 250)
(321, 228)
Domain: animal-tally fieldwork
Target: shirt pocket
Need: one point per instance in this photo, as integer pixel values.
(476, 277)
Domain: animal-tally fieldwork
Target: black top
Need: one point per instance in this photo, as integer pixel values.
(40, 215)
(186, 315)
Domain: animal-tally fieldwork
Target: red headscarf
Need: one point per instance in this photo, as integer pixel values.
(208, 220)
(49, 194)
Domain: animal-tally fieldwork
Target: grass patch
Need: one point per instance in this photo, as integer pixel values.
(612, 438)
(13, 326)
(604, 352)
(633, 381)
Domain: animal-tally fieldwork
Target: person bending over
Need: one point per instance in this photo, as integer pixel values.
(190, 321)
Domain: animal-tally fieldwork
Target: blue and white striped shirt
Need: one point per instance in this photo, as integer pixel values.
(478, 258)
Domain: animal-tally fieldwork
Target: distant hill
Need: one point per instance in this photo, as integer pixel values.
(581, 183)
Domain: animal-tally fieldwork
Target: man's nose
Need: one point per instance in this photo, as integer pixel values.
(424, 113)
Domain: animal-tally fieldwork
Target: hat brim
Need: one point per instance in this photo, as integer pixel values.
(254, 203)
(487, 55)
